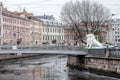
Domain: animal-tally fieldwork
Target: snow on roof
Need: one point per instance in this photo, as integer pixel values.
(114, 21)
(49, 20)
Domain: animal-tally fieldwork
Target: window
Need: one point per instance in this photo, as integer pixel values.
(53, 30)
(118, 40)
(43, 29)
(48, 29)
(48, 37)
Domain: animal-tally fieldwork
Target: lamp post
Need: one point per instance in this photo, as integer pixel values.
(33, 33)
(59, 35)
(14, 34)
(47, 27)
(113, 31)
(47, 34)
(15, 41)
(32, 29)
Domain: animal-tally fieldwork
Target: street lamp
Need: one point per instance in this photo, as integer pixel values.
(32, 29)
(47, 34)
(59, 35)
(14, 47)
(113, 38)
(47, 29)
(33, 32)
(14, 34)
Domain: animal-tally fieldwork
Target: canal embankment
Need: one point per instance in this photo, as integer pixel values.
(102, 62)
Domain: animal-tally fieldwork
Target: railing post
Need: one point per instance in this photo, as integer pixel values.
(107, 52)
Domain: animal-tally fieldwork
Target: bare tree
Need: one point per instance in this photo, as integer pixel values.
(93, 15)
(99, 15)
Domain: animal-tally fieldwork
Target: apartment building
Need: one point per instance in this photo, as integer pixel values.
(113, 35)
(72, 39)
(14, 26)
(52, 30)
(35, 30)
(69, 35)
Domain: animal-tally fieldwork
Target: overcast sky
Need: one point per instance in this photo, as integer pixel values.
(53, 7)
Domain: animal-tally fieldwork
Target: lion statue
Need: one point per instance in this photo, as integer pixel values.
(92, 42)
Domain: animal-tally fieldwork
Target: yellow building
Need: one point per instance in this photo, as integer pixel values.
(35, 30)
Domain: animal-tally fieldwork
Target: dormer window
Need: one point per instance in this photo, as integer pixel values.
(52, 23)
(46, 22)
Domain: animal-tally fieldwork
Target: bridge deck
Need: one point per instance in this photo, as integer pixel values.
(65, 50)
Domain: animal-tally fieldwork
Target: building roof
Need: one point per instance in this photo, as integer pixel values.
(115, 21)
(14, 16)
(19, 15)
(33, 18)
(49, 20)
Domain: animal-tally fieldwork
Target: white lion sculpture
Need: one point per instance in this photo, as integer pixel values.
(92, 42)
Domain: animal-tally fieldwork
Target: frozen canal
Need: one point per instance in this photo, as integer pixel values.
(47, 68)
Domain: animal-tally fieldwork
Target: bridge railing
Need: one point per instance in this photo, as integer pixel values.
(113, 52)
(110, 52)
(43, 47)
(53, 47)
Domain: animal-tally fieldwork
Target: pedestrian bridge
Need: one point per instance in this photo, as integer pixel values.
(44, 49)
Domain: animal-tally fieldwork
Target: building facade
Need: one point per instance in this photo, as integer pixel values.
(72, 39)
(102, 35)
(35, 30)
(52, 31)
(13, 27)
(69, 35)
(113, 35)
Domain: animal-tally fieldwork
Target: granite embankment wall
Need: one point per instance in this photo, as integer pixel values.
(99, 60)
